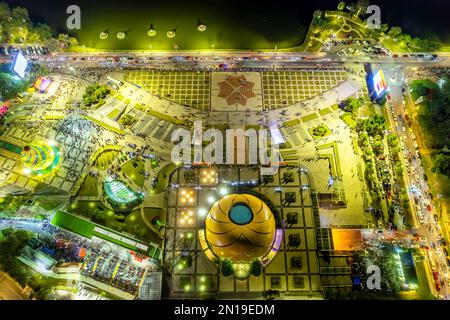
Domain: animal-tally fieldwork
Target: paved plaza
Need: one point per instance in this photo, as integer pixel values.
(187, 88)
(284, 88)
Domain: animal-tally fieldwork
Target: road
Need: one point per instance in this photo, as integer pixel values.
(418, 191)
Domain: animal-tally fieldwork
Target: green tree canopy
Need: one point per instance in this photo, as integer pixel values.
(442, 164)
(394, 32)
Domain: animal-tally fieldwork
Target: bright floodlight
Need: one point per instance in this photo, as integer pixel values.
(202, 212)
(19, 64)
(223, 191)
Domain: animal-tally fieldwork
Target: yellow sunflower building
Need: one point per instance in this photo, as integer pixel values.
(240, 229)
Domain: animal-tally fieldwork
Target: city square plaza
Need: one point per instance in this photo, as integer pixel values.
(298, 202)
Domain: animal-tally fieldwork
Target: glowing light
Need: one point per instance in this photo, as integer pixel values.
(211, 199)
(223, 191)
(202, 212)
(379, 83)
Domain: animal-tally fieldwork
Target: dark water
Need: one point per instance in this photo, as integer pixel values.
(231, 24)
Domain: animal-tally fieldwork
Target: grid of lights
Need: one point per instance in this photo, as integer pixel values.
(208, 176)
(188, 196)
(186, 218)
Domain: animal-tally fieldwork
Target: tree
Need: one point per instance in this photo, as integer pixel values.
(375, 125)
(95, 94)
(20, 18)
(341, 6)
(43, 31)
(5, 12)
(442, 164)
(398, 168)
(10, 87)
(67, 41)
(394, 32)
(353, 104)
(361, 7)
(227, 267)
(255, 268)
(392, 140)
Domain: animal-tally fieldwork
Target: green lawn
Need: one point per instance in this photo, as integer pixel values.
(131, 169)
(348, 119)
(105, 159)
(291, 123)
(113, 114)
(309, 117)
(324, 112)
(163, 116)
(47, 204)
(133, 222)
(89, 187)
(72, 223)
(164, 177)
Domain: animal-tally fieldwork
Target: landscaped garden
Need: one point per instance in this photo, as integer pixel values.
(135, 169)
(319, 131)
(131, 223)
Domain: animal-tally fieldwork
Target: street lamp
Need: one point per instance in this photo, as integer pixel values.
(171, 33)
(151, 31)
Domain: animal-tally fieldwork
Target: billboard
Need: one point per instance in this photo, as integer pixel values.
(19, 64)
(379, 83)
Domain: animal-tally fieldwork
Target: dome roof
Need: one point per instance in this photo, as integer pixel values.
(240, 227)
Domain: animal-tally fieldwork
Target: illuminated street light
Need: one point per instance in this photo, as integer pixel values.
(104, 35)
(201, 27)
(121, 35)
(151, 31)
(171, 33)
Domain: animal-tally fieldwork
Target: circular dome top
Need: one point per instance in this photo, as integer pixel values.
(240, 227)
